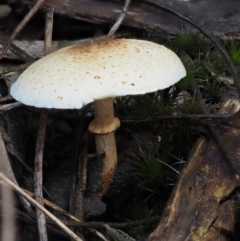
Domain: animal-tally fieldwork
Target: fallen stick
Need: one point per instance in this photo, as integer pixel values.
(45, 211)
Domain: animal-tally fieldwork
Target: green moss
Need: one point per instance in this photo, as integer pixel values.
(195, 73)
(233, 48)
(214, 90)
(189, 41)
(185, 40)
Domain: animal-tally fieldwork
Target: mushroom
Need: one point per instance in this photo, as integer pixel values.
(98, 71)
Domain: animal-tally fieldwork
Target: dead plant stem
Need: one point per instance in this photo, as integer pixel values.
(81, 178)
(48, 31)
(6, 165)
(10, 106)
(120, 19)
(14, 68)
(45, 211)
(38, 175)
(67, 214)
(19, 52)
(8, 225)
(20, 26)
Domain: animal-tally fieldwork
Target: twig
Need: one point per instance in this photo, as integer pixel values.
(120, 19)
(32, 221)
(54, 206)
(19, 52)
(10, 106)
(38, 177)
(5, 162)
(77, 139)
(201, 118)
(100, 235)
(80, 163)
(6, 98)
(48, 31)
(20, 26)
(198, 118)
(12, 150)
(8, 221)
(113, 224)
(67, 214)
(8, 225)
(14, 68)
(81, 178)
(45, 211)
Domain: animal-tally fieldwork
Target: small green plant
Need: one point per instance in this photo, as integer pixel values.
(195, 73)
(216, 62)
(148, 168)
(152, 172)
(137, 210)
(185, 40)
(177, 137)
(234, 51)
(213, 91)
(189, 42)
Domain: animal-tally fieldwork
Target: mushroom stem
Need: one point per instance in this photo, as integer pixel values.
(104, 112)
(105, 143)
(104, 120)
(103, 126)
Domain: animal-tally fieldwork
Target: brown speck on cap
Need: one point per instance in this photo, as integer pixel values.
(137, 50)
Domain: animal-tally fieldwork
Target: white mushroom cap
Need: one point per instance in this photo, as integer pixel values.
(74, 76)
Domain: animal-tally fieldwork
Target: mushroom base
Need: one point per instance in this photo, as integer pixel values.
(106, 144)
